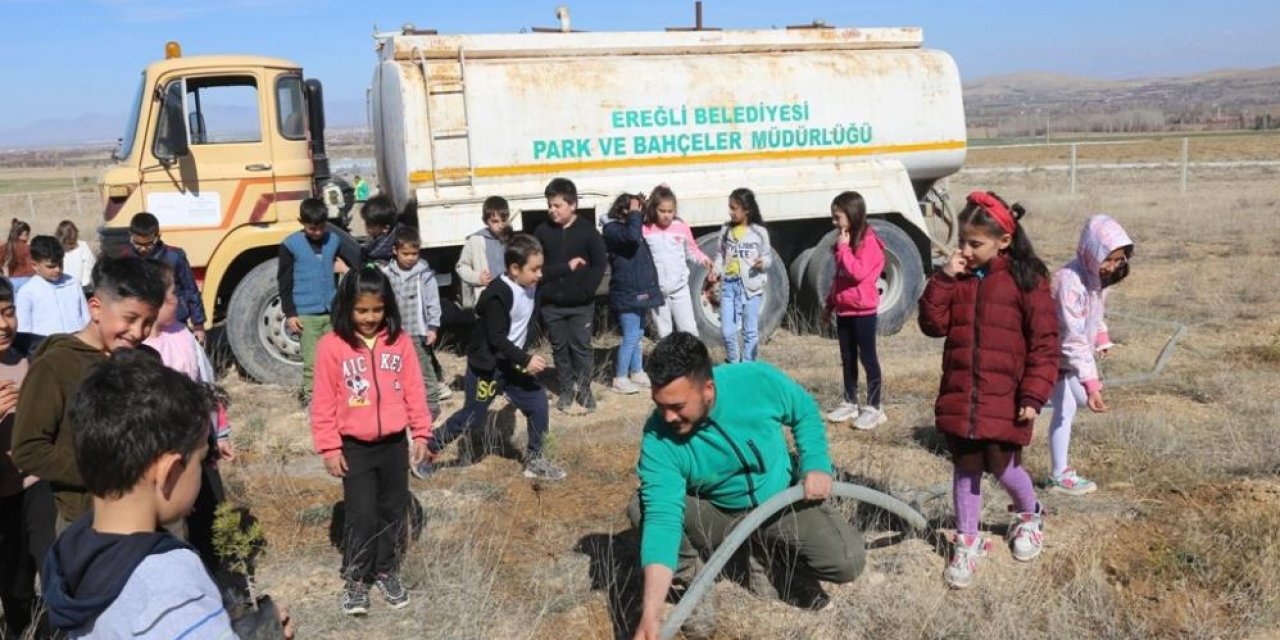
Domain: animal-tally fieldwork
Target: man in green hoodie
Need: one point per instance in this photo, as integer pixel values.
(712, 451)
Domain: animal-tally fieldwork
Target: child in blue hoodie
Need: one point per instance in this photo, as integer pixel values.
(141, 434)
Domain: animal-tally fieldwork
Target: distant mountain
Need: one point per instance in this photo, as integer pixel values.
(94, 128)
(1227, 95)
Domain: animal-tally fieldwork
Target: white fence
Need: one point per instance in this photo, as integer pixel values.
(1073, 168)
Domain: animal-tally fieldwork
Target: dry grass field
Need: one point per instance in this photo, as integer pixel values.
(1179, 542)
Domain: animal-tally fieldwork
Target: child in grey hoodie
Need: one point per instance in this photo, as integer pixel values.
(141, 432)
(742, 263)
(482, 256)
(418, 298)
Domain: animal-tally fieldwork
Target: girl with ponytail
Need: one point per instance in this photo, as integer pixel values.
(991, 302)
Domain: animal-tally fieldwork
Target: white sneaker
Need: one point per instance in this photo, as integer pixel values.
(966, 550)
(641, 379)
(624, 387)
(869, 418)
(843, 413)
(1027, 535)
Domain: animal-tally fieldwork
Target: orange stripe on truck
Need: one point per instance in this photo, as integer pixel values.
(450, 173)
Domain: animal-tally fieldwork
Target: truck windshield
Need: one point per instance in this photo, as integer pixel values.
(125, 147)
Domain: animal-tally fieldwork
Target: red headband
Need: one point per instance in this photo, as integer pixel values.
(996, 209)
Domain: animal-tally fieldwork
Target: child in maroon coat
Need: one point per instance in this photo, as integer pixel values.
(992, 303)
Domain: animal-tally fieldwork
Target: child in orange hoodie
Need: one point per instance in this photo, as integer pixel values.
(368, 398)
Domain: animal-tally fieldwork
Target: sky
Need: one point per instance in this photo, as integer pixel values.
(69, 61)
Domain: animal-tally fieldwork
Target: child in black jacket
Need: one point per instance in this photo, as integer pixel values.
(498, 363)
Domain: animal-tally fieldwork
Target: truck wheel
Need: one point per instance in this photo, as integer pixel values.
(263, 347)
(795, 275)
(706, 308)
(900, 284)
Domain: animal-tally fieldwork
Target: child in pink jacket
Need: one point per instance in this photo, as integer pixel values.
(1080, 291)
(672, 246)
(855, 299)
(368, 398)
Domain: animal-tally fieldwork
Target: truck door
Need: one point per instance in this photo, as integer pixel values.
(290, 148)
(226, 179)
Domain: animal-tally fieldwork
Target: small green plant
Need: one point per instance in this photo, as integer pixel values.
(238, 541)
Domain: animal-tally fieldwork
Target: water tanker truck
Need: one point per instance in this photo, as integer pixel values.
(797, 115)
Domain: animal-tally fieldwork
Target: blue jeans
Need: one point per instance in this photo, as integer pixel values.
(630, 355)
(739, 311)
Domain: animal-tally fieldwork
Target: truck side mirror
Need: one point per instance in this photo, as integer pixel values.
(171, 130)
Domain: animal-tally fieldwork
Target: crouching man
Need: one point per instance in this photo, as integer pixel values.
(712, 451)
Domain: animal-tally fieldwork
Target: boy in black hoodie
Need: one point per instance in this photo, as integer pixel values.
(498, 363)
(575, 262)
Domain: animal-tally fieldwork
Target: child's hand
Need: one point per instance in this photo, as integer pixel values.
(485, 278)
(419, 451)
(708, 265)
(341, 268)
(336, 466)
(955, 264)
(431, 338)
(536, 365)
(712, 276)
(198, 330)
(844, 237)
(577, 263)
(758, 264)
(226, 450)
(1096, 404)
(294, 325)
(8, 396)
(1028, 415)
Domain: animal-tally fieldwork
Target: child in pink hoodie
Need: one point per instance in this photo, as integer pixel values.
(855, 299)
(672, 246)
(368, 396)
(1080, 291)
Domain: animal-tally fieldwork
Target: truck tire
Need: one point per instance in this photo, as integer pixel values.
(901, 282)
(795, 276)
(706, 309)
(264, 349)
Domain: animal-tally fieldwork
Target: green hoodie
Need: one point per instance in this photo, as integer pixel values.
(742, 432)
(42, 442)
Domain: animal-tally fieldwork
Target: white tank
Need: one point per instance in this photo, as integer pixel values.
(792, 113)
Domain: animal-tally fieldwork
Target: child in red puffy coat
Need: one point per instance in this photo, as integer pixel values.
(991, 302)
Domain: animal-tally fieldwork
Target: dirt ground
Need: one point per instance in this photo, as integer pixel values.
(1179, 541)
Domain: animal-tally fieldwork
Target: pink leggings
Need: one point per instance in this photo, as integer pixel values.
(967, 491)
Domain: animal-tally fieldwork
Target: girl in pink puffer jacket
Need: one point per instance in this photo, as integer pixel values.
(854, 299)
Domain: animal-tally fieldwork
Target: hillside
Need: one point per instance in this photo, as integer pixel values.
(1228, 98)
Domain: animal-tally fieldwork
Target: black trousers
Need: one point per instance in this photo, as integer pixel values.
(26, 534)
(375, 494)
(569, 329)
(858, 342)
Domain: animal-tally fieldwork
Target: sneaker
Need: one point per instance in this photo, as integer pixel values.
(564, 404)
(393, 591)
(540, 468)
(588, 399)
(843, 413)
(641, 379)
(1027, 535)
(869, 418)
(1072, 484)
(355, 598)
(624, 386)
(966, 550)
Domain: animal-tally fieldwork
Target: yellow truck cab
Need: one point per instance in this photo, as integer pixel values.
(221, 149)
